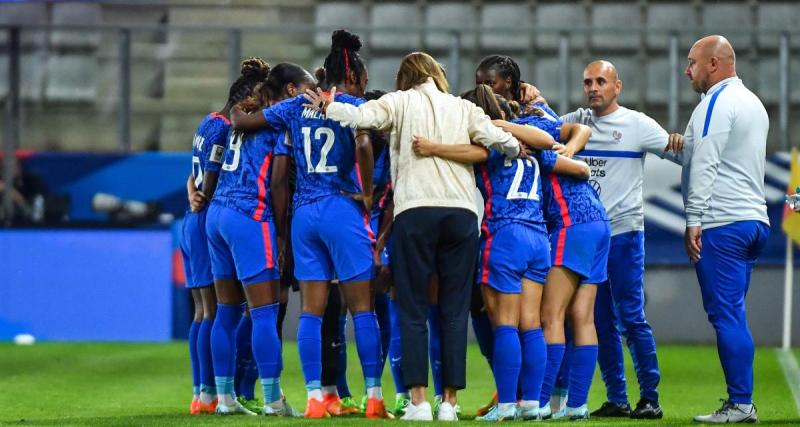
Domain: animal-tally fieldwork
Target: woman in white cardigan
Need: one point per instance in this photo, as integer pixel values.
(434, 213)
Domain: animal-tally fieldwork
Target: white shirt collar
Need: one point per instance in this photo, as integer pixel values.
(734, 79)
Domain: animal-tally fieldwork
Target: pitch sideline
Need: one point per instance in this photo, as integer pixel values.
(792, 374)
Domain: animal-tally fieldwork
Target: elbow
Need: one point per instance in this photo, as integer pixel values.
(586, 173)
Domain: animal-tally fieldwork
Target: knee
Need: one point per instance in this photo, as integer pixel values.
(581, 318)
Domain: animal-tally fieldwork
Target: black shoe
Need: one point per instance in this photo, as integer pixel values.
(611, 409)
(647, 410)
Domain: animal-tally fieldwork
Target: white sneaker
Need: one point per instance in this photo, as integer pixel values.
(447, 412)
(421, 412)
(730, 413)
(234, 409)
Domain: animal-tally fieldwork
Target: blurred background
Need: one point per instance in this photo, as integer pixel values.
(101, 100)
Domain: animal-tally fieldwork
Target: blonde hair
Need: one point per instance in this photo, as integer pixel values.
(416, 67)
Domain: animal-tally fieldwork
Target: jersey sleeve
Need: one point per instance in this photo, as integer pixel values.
(215, 148)
(283, 144)
(652, 137)
(547, 159)
(277, 116)
(375, 114)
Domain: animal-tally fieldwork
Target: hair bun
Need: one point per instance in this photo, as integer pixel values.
(343, 39)
(319, 74)
(255, 68)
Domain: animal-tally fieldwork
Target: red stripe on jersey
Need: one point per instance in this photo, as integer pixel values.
(262, 188)
(562, 202)
(562, 238)
(220, 116)
(487, 212)
(267, 244)
(178, 272)
(382, 201)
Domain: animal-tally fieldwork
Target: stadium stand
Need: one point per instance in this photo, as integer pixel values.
(71, 76)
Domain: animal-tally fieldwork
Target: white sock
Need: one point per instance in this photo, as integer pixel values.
(745, 407)
(206, 398)
(529, 404)
(315, 394)
(374, 393)
(330, 389)
(226, 399)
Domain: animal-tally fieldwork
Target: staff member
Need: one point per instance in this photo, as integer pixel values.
(434, 214)
(726, 212)
(615, 152)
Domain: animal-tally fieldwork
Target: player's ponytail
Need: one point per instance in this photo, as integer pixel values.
(343, 60)
(483, 97)
(253, 71)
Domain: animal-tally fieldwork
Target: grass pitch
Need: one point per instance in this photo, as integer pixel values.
(150, 384)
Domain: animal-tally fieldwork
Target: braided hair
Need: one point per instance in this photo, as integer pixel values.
(254, 71)
(342, 60)
(505, 67)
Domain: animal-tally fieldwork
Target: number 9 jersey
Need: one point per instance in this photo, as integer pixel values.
(323, 150)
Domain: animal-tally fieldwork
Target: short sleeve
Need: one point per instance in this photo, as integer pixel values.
(652, 137)
(547, 159)
(573, 117)
(283, 144)
(215, 148)
(277, 116)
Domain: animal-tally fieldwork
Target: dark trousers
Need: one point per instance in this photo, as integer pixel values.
(427, 241)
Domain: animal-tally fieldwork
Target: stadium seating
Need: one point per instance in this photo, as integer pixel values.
(177, 76)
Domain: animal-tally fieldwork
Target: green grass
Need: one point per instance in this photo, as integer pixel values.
(150, 384)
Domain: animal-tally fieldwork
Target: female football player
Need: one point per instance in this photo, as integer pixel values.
(331, 236)
(208, 148)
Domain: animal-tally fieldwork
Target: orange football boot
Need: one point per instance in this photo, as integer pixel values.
(206, 408)
(315, 408)
(376, 409)
(333, 404)
(193, 407)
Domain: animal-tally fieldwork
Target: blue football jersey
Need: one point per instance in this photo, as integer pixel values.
(208, 146)
(566, 200)
(511, 189)
(381, 175)
(244, 184)
(323, 150)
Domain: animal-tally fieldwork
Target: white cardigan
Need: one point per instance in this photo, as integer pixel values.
(425, 111)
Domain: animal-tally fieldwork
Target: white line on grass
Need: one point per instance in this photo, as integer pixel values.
(792, 374)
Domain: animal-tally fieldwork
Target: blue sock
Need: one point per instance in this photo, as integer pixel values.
(368, 343)
(309, 345)
(584, 359)
(435, 348)
(384, 324)
(507, 364)
(341, 377)
(484, 335)
(267, 350)
(207, 384)
(244, 380)
(396, 350)
(555, 354)
(534, 361)
(562, 379)
(194, 329)
(223, 346)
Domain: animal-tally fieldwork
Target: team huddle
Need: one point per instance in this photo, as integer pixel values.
(300, 181)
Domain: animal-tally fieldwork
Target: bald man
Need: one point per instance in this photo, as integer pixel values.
(615, 153)
(726, 212)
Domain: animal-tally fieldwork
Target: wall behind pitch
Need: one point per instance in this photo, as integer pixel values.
(78, 285)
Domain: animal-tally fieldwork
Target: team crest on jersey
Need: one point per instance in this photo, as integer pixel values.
(217, 152)
(596, 186)
(617, 135)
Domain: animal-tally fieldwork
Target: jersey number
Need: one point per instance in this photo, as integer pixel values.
(330, 138)
(513, 192)
(235, 145)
